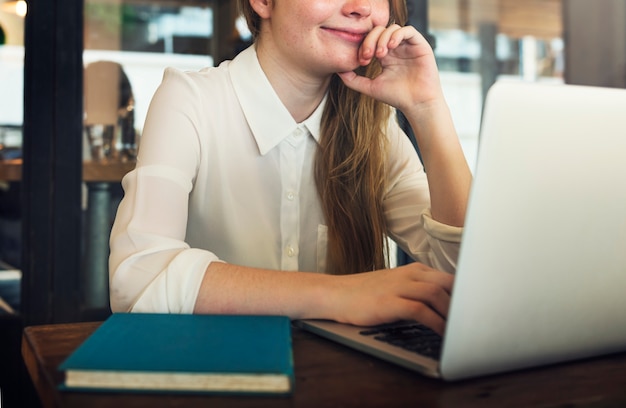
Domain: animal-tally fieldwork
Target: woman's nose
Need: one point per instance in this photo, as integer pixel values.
(358, 8)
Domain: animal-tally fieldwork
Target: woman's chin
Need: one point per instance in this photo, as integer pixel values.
(336, 64)
(347, 66)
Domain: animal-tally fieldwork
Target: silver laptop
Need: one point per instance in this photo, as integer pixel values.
(541, 276)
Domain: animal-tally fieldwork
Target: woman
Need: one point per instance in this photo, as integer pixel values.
(288, 159)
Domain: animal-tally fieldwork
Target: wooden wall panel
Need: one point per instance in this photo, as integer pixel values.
(515, 18)
(595, 42)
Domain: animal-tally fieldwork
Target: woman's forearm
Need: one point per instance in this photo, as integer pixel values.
(449, 176)
(233, 289)
(413, 291)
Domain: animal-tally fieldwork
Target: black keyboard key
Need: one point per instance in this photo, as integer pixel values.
(410, 336)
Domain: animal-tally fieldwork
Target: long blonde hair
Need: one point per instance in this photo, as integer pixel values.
(350, 166)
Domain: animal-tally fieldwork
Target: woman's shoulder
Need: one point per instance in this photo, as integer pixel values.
(204, 79)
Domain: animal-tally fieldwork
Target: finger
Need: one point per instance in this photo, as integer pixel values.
(384, 40)
(432, 295)
(422, 273)
(405, 34)
(433, 321)
(368, 48)
(442, 279)
(425, 315)
(356, 82)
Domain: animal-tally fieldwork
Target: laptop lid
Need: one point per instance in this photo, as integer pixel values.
(541, 276)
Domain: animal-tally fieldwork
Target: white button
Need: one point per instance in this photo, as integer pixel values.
(291, 195)
(291, 252)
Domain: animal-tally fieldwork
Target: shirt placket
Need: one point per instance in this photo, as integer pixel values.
(291, 159)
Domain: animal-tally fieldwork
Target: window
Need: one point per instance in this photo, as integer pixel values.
(11, 116)
(478, 42)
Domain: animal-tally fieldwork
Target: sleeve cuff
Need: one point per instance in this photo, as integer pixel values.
(442, 232)
(175, 290)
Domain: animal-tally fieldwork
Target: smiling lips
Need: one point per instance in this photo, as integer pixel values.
(350, 36)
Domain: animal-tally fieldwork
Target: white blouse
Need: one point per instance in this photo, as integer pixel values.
(225, 174)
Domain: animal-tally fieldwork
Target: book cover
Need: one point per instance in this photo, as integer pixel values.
(185, 353)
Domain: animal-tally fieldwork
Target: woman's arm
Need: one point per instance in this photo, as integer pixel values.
(410, 82)
(449, 177)
(410, 292)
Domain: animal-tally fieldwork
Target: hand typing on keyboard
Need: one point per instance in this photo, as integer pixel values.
(410, 292)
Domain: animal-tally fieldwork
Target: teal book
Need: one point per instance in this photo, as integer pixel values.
(184, 353)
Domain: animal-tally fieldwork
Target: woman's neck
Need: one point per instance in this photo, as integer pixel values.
(300, 92)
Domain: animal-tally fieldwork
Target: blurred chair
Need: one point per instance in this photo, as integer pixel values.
(109, 112)
(110, 135)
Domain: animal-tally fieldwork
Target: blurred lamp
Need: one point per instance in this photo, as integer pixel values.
(18, 7)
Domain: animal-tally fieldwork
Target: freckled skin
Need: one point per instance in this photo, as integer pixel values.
(322, 37)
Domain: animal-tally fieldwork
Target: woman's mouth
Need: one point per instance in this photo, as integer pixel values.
(347, 35)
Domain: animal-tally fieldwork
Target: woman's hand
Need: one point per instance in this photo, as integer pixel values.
(409, 292)
(409, 81)
(409, 76)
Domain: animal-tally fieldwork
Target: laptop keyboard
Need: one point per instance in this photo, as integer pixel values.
(410, 336)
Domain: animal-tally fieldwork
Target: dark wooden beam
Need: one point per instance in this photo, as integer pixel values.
(595, 43)
(51, 173)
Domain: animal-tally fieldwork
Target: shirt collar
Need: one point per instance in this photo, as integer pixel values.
(269, 120)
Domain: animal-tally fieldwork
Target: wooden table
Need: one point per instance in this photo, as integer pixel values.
(331, 375)
(93, 172)
(11, 170)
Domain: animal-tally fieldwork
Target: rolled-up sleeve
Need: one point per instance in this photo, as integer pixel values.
(407, 209)
(152, 268)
